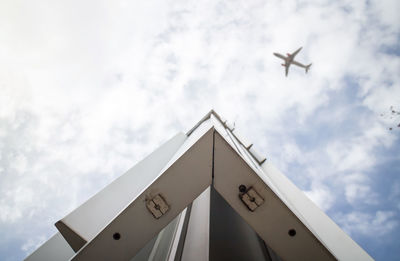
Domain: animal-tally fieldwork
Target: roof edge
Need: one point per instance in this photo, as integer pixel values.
(206, 117)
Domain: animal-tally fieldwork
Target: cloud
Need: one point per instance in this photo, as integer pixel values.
(377, 224)
(395, 194)
(355, 153)
(321, 196)
(358, 188)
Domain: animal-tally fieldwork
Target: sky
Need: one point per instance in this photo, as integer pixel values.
(89, 88)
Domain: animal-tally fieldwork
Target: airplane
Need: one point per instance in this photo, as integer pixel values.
(290, 60)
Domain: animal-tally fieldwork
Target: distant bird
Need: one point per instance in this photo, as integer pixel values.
(289, 59)
(393, 114)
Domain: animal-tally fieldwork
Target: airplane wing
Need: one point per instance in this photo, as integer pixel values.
(295, 53)
(298, 64)
(280, 56)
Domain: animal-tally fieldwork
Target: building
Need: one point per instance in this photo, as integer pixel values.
(204, 195)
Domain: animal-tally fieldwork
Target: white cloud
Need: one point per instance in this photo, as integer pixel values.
(377, 224)
(291, 152)
(358, 189)
(395, 194)
(386, 13)
(356, 153)
(321, 196)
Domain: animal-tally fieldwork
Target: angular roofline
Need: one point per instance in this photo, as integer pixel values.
(258, 157)
(206, 117)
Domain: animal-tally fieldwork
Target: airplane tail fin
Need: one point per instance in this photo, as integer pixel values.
(308, 67)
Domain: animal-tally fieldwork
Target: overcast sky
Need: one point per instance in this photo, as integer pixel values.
(88, 88)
